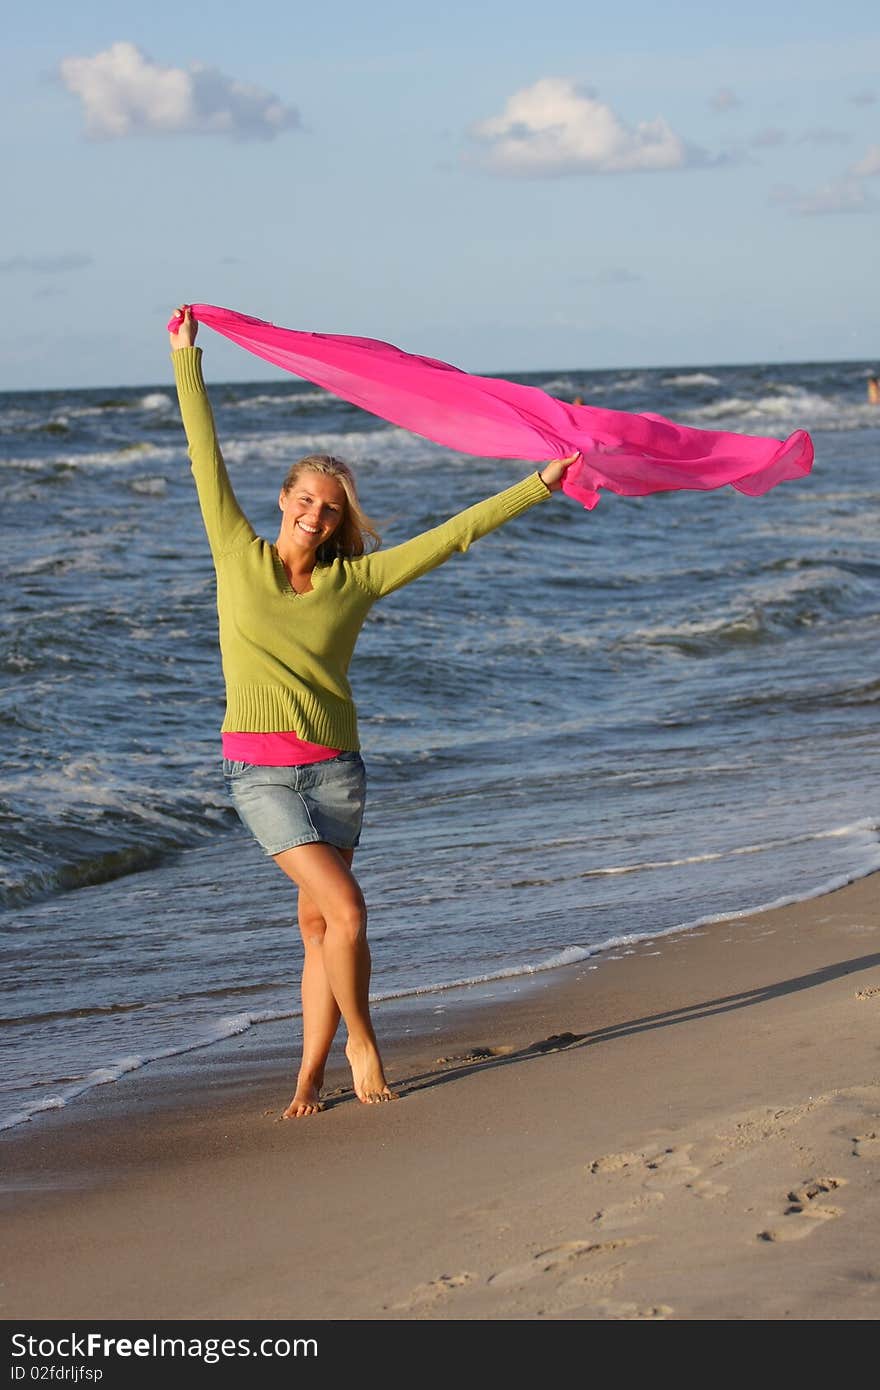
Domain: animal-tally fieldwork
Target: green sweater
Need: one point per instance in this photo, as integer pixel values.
(286, 655)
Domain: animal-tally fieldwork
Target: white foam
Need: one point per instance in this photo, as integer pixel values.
(697, 630)
(628, 383)
(786, 406)
(570, 955)
(691, 379)
(382, 446)
(291, 443)
(287, 400)
(149, 487)
(557, 384)
(100, 458)
(764, 847)
(102, 1076)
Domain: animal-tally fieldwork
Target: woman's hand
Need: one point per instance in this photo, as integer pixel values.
(186, 333)
(553, 472)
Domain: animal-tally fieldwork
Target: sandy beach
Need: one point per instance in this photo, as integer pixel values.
(690, 1130)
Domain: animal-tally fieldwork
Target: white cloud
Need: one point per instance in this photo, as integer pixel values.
(724, 100)
(557, 127)
(46, 265)
(841, 195)
(124, 93)
(869, 165)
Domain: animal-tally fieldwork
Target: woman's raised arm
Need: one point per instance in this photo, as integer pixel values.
(226, 524)
(383, 571)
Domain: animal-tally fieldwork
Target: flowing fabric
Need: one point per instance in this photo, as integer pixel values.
(630, 454)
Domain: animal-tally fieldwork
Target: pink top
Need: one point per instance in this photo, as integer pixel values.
(626, 453)
(275, 750)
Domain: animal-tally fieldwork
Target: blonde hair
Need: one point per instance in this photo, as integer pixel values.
(355, 532)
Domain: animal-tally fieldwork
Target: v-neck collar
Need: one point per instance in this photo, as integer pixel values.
(285, 581)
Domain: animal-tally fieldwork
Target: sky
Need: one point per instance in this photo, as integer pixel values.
(509, 187)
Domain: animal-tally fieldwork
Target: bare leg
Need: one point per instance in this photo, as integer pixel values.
(332, 894)
(320, 1011)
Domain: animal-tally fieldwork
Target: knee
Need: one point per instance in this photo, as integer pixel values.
(312, 926)
(349, 921)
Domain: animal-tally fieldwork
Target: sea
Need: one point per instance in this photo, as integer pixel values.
(593, 729)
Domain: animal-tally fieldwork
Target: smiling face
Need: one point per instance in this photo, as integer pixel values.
(312, 509)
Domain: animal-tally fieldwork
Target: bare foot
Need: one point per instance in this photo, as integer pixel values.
(307, 1101)
(366, 1069)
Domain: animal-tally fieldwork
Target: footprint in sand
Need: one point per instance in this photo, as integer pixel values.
(549, 1261)
(613, 1163)
(631, 1312)
(672, 1168)
(475, 1054)
(437, 1288)
(708, 1190)
(557, 1042)
(866, 1145)
(618, 1216)
(802, 1212)
(667, 1169)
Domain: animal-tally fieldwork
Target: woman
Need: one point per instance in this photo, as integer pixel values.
(290, 614)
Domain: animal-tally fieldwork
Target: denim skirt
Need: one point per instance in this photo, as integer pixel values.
(284, 807)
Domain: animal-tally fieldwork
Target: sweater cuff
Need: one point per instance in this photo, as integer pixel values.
(187, 364)
(523, 495)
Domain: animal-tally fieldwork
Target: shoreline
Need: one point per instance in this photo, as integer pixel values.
(406, 1012)
(648, 1134)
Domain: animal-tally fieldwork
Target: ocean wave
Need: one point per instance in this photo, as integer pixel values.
(854, 694)
(699, 637)
(786, 407)
(224, 1029)
(151, 402)
(834, 696)
(79, 417)
(62, 1015)
(558, 386)
(27, 424)
(636, 382)
(27, 886)
(98, 832)
(828, 885)
(104, 1010)
(157, 400)
(769, 846)
(149, 487)
(62, 465)
(691, 379)
(384, 446)
(13, 418)
(565, 387)
(286, 401)
(799, 598)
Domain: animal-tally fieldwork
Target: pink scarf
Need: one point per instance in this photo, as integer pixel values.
(629, 454)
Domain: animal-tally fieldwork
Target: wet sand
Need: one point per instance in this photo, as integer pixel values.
(687, 1131)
